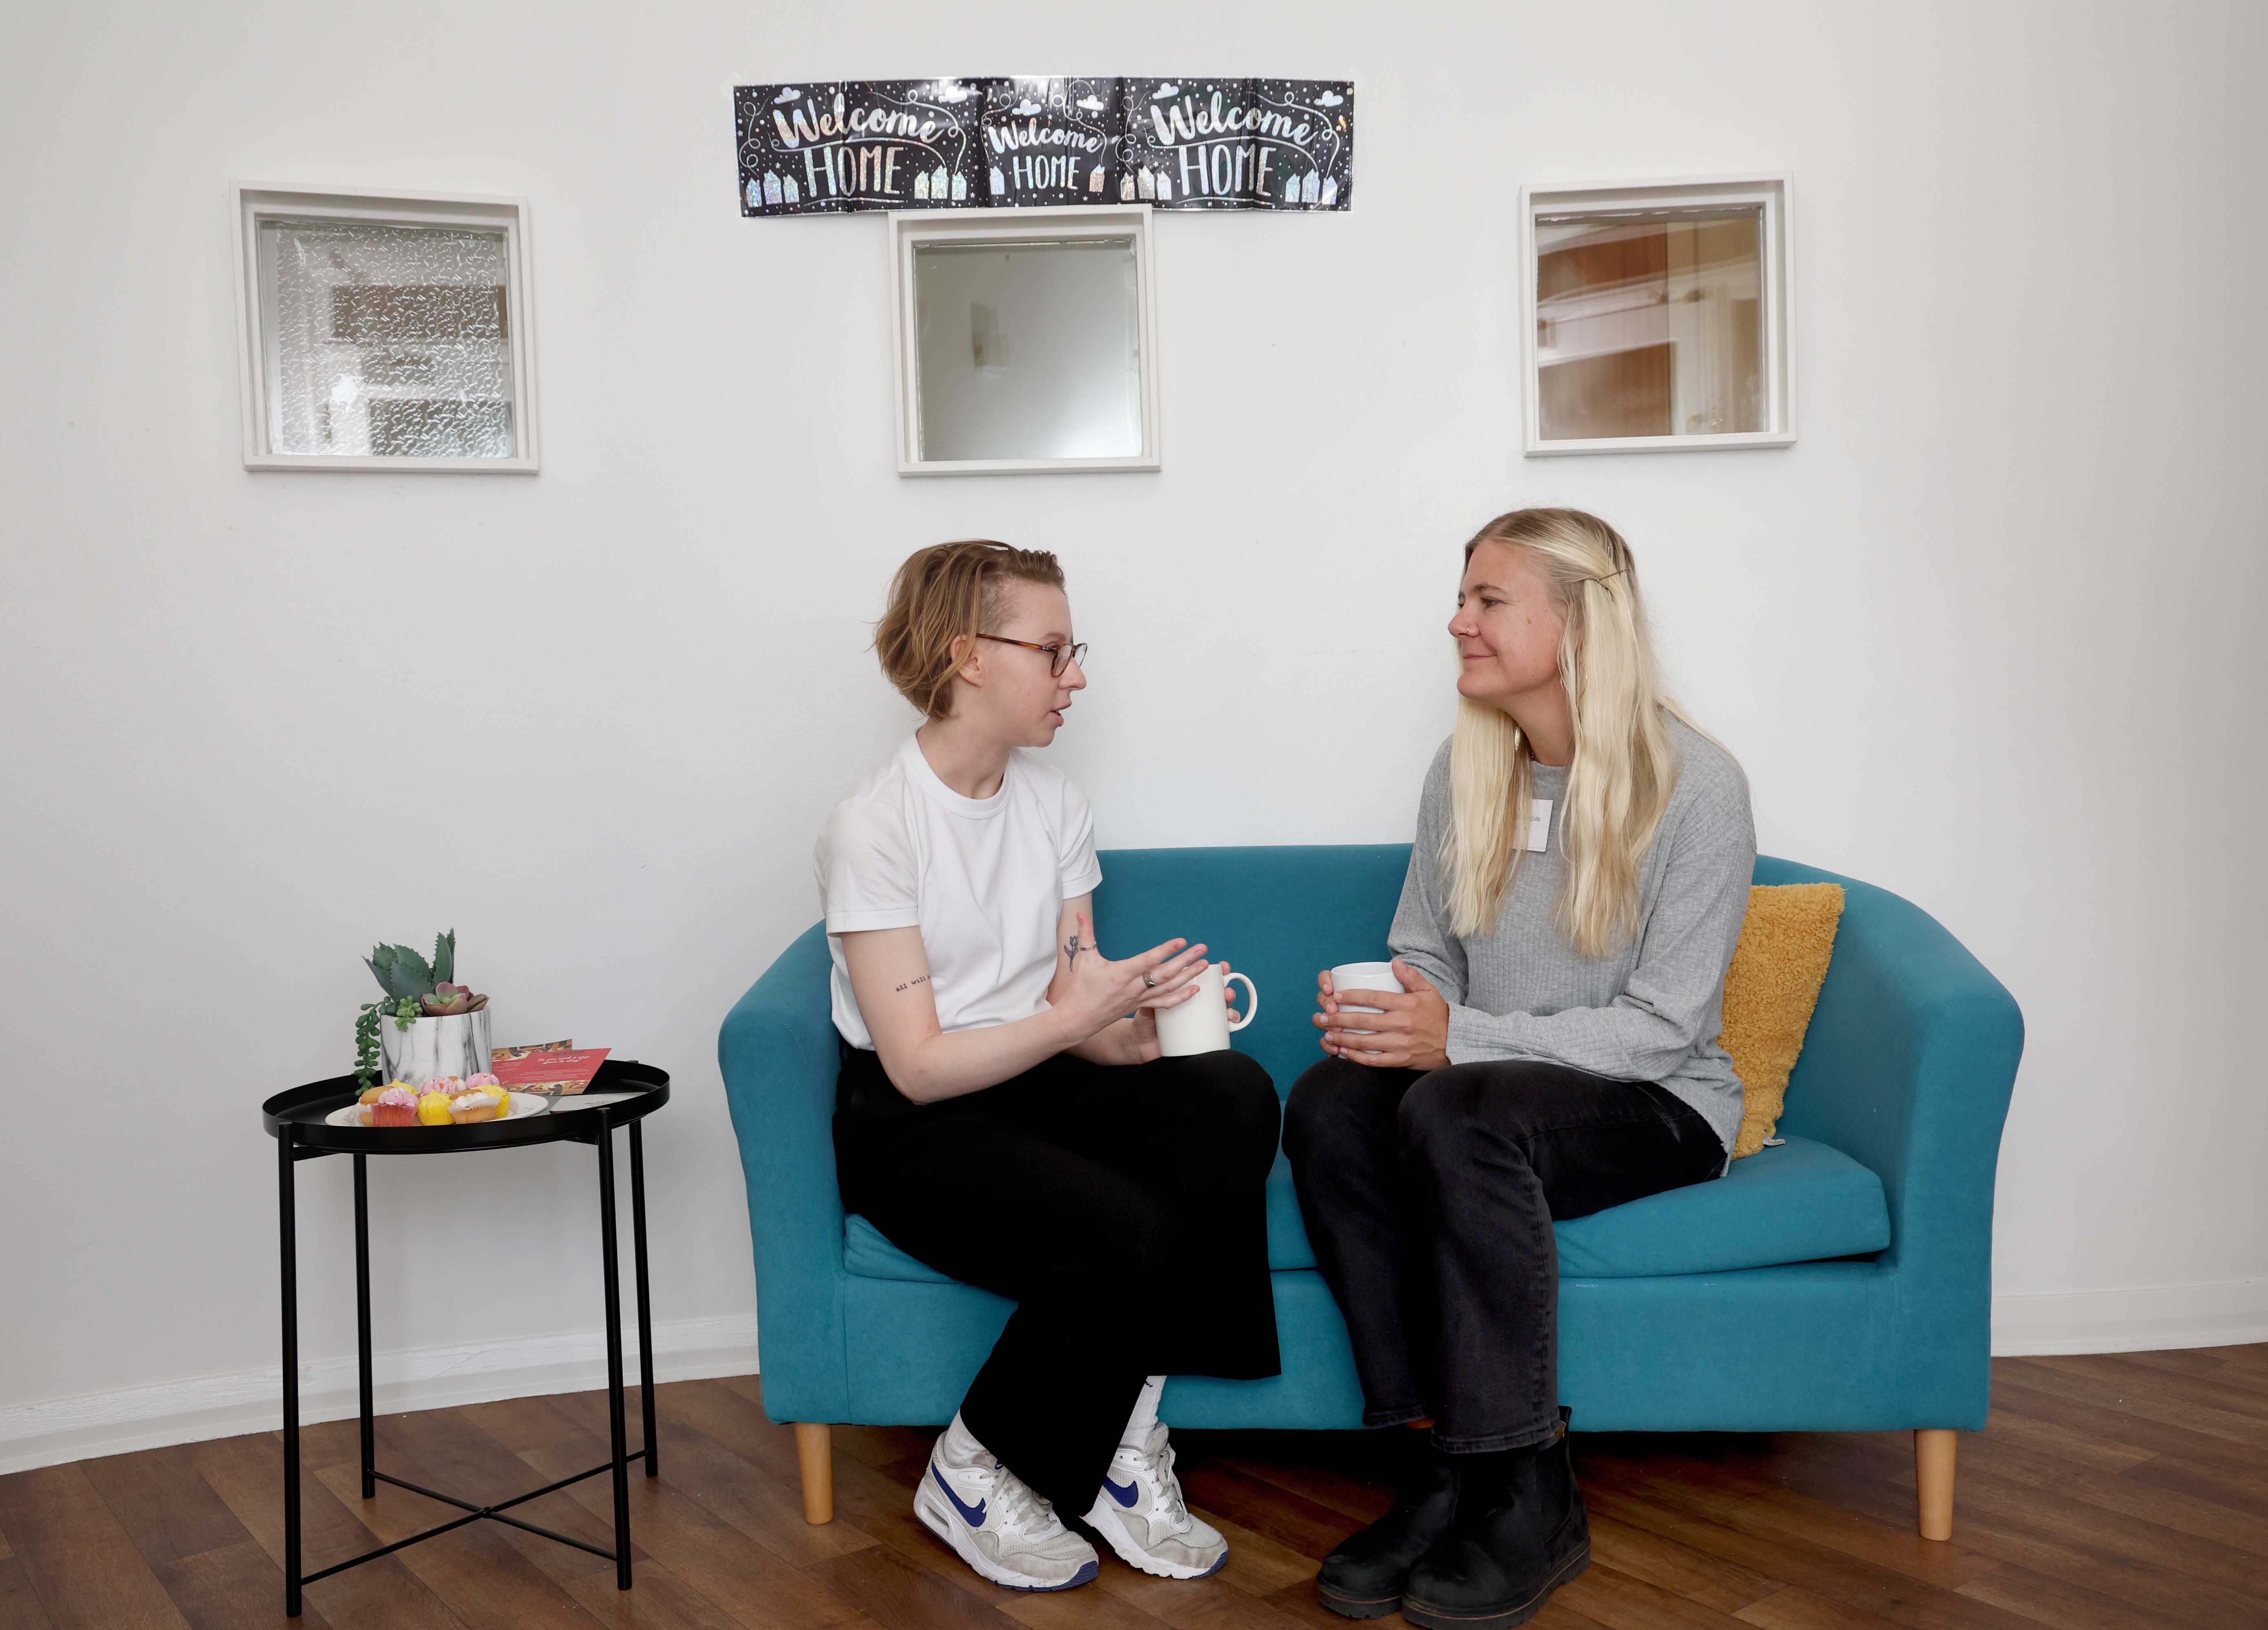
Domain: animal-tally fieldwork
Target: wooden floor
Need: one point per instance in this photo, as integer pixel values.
(2106, 1491)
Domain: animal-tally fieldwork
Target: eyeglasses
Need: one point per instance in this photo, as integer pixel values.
(1059, 657)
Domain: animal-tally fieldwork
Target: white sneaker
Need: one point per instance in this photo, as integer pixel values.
(1141, 1513)
(999, 1525)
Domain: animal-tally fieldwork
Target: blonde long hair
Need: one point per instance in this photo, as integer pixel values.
(1625, 765)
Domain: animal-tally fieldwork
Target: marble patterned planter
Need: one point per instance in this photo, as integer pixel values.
(455, 1044)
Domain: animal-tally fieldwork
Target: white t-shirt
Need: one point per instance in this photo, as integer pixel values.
(985, 880)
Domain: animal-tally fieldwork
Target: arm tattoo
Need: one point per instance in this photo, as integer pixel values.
(910, 983)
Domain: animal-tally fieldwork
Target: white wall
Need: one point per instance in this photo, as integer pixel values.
(1985, 636)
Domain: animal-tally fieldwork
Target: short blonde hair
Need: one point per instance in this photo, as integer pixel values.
(943, 596)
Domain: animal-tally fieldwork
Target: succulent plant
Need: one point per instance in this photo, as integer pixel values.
(414, 988)
(401, 972)
(446, 999)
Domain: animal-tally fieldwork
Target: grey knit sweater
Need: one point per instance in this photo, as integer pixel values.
(1650, 1011)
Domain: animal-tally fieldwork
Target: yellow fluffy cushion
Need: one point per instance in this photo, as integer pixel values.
(1769, 990)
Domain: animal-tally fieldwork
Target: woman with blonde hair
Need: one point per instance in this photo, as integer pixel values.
(1578, 884)
(1002, 1114)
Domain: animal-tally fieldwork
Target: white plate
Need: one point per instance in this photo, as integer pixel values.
(523, 1105)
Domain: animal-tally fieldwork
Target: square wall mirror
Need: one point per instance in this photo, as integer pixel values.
(1024, 340)
(1658, 316)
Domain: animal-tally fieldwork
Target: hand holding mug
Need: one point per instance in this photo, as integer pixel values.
(1405, 1029)
(1098, 992)
(1338, 988)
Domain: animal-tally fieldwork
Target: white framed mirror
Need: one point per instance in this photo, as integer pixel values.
(1026, 340)
(1659, 316)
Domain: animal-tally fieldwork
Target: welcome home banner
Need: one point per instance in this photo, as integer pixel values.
(828, 147)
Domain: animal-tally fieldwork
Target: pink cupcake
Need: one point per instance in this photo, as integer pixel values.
(396, 1106)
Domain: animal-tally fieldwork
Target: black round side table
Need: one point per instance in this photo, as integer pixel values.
(296, 1120)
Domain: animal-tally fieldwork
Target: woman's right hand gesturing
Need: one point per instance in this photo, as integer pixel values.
(1095, 994)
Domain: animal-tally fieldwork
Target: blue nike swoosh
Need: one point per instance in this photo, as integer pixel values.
(1124, 1496)
(974, 1516)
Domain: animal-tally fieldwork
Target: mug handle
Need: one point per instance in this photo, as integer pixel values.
(1251, 1002)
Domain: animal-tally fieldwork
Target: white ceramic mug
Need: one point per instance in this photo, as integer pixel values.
(1200, 1024)
(1362, 976)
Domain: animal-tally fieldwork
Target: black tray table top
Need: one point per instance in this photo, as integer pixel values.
(302, 1110)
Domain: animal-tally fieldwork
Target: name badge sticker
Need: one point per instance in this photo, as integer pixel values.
(1539, 825)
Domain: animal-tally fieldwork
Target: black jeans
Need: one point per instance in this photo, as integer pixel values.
(1122, 1207)
(1429, 1198)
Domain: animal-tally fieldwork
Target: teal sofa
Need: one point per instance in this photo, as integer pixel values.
(1840, 1283)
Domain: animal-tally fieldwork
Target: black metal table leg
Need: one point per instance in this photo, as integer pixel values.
(361, 1326)
(644, 1301)
(617, 1428)
(289, 1248)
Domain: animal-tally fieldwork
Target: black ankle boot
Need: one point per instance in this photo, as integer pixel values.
(1362, 1578)
(1520, 1533)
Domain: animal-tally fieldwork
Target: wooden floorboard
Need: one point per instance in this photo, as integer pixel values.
(19, 1603)
(2125, 1492)
(82, 1564)
(248, 1473)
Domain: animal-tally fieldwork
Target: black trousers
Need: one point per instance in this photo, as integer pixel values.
(1430, 1199)
(1122, 1207)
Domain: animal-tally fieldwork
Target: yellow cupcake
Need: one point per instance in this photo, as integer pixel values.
(433, 1111)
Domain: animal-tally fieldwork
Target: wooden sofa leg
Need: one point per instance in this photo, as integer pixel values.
(814, 1454)
(1933, 1448)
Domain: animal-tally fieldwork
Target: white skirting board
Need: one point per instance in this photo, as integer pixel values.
(184, 1412)
(250, 1400)
(2147, 1319)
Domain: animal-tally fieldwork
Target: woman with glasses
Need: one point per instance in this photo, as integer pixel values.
(1578, 884)
(1003, 1112)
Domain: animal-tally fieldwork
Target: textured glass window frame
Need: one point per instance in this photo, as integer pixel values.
(1772, 192)
(912, 230)
(255, 202)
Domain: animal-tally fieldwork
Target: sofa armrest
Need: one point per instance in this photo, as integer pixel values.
(778, 1052)
(1908, 1067)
